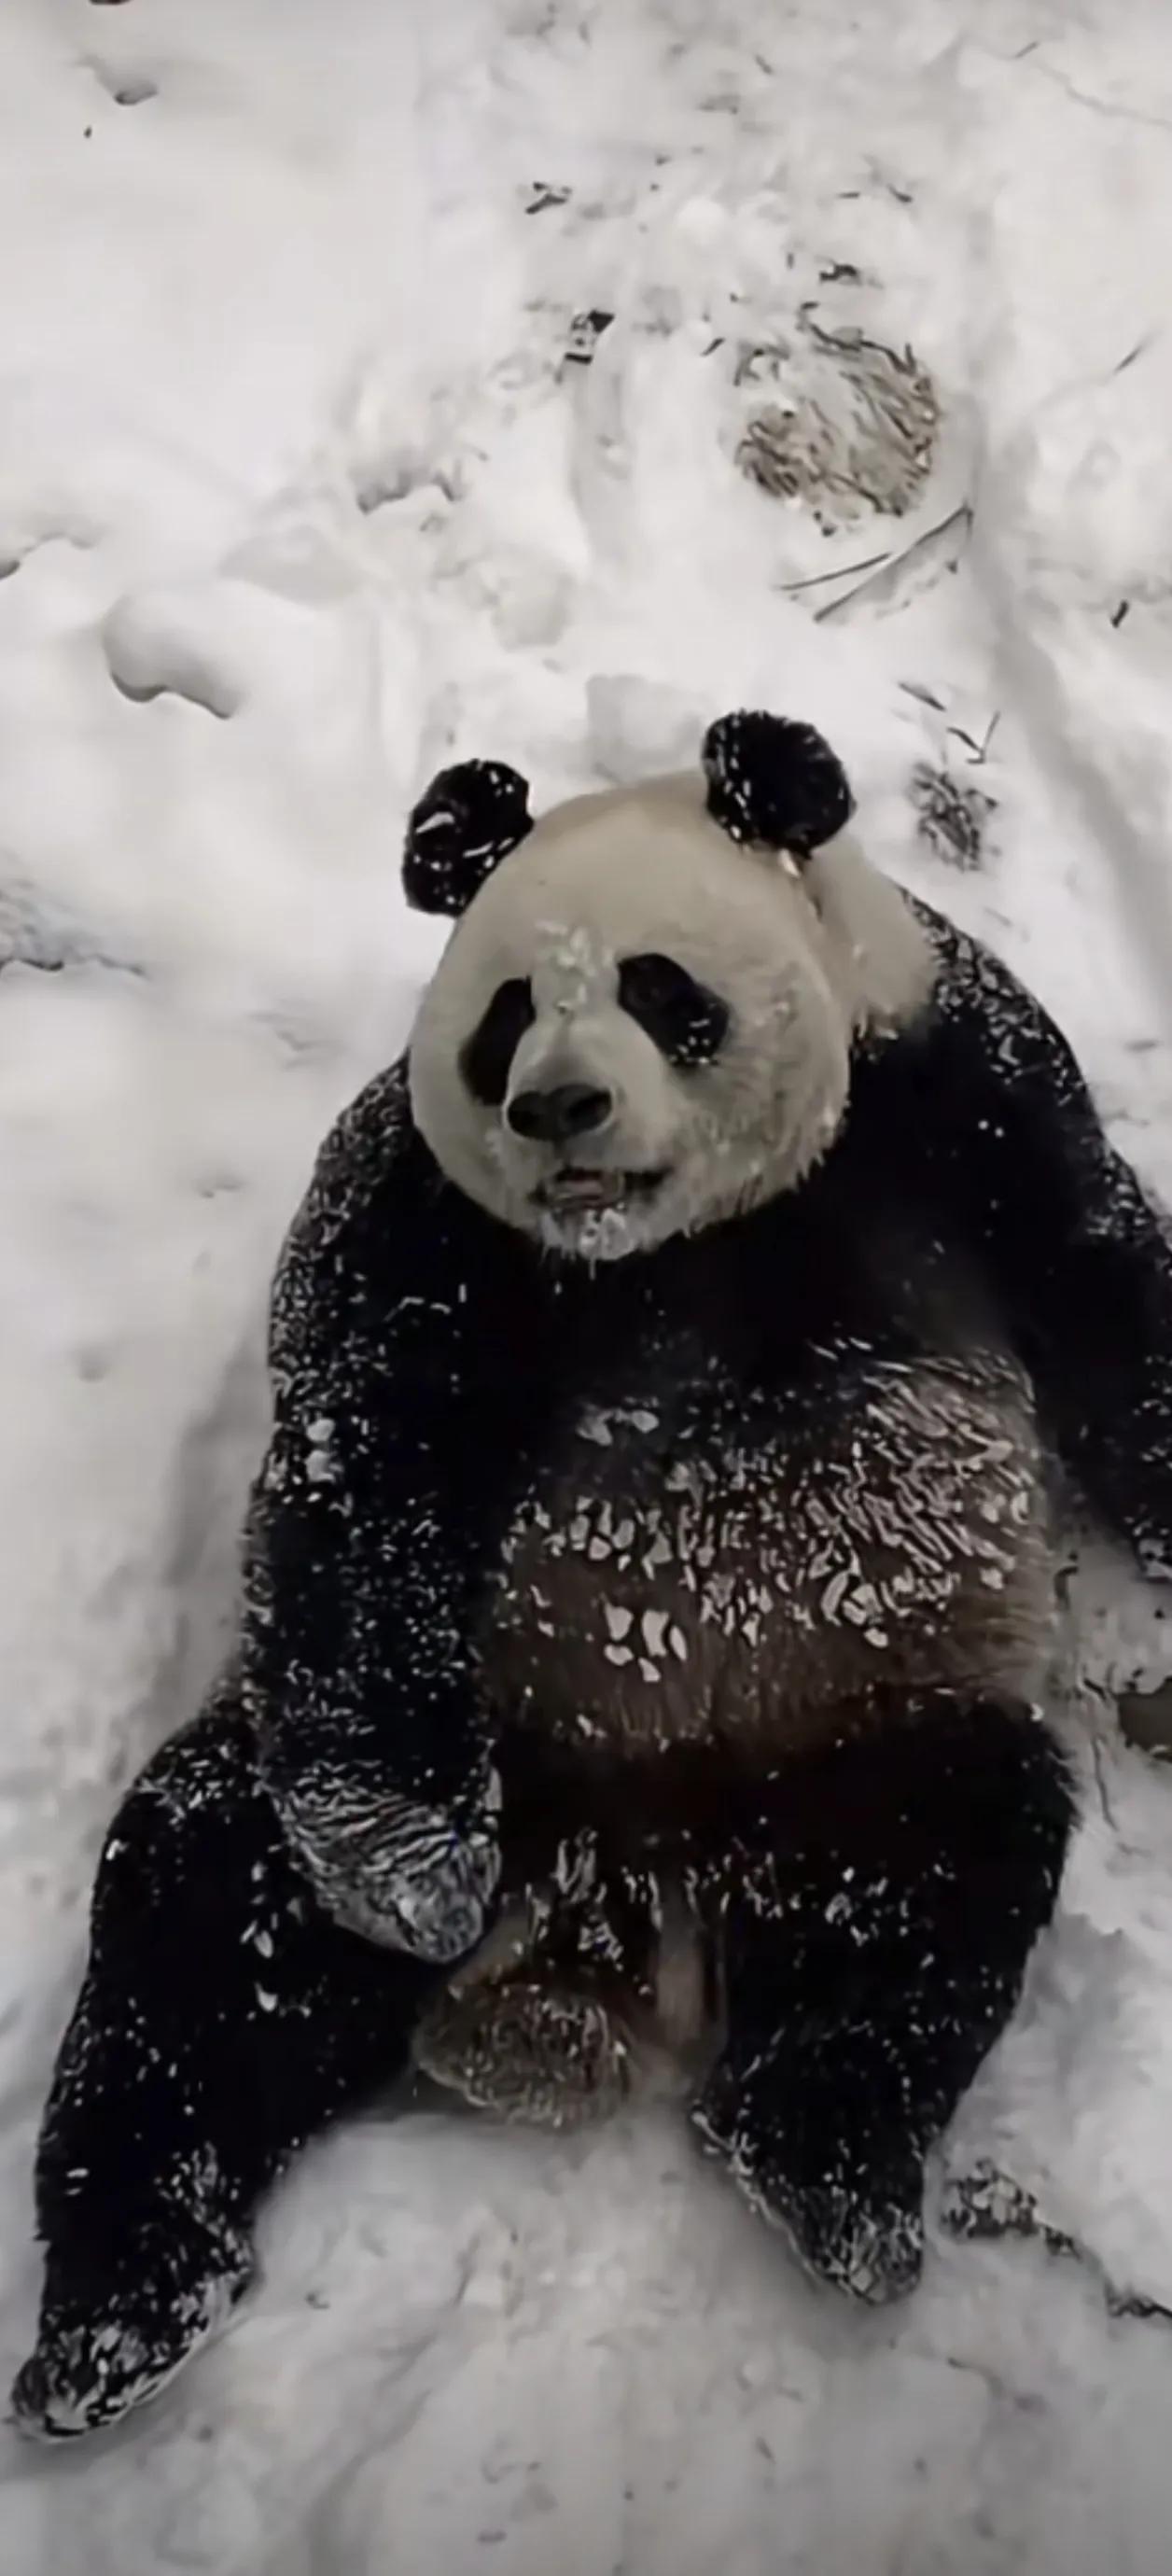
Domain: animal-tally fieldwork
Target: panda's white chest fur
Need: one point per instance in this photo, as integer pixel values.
(683, 1570)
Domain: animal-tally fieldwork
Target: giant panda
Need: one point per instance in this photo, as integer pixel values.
(645, 1669)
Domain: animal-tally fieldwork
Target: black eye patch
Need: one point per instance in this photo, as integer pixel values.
(487, 1055)
(687, 1022)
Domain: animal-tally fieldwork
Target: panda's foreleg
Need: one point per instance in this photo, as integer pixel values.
(541, 2025)
(877, 1926)
(530, 2049)
(222, 2019)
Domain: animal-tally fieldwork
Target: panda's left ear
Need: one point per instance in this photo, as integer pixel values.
(775, 783)
(462, 827)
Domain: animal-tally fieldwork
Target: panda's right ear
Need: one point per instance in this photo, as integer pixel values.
(462, 827)
(775, 784)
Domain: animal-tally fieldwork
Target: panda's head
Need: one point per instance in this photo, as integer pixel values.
(643, 1021)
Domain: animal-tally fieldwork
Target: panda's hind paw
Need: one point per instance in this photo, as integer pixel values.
(113, 2332)
(869, 2245)
(855, 2221)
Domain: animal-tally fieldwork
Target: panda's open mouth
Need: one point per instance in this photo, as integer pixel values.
(578, 1188)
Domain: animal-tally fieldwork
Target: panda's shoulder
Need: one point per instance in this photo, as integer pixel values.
(979, 1019)
(373, 1153)
(979, 1050)
(373, 1208)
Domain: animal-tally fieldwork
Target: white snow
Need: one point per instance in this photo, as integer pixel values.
(297, 499)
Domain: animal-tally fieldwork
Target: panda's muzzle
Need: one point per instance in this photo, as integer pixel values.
(565, 1118)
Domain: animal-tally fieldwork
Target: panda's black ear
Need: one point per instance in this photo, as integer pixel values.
(775, 783)
(462, 827)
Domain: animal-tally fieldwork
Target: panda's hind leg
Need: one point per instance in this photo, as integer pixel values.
(877, 1928)
(221, 2020)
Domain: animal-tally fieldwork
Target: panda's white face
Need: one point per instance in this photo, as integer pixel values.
(639, 1028)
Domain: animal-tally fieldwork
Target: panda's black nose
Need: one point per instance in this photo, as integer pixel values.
(552, 1117)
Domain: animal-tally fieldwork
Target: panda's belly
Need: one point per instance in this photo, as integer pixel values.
(655, 1591)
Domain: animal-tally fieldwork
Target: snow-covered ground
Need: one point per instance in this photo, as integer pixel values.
(296, 497)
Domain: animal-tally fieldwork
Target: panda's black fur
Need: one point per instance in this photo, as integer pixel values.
(853, 1880)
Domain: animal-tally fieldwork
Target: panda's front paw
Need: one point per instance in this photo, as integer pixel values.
(407, 1875)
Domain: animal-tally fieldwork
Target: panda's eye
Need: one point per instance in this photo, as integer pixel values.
(487, 1055)
(687, 1022)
